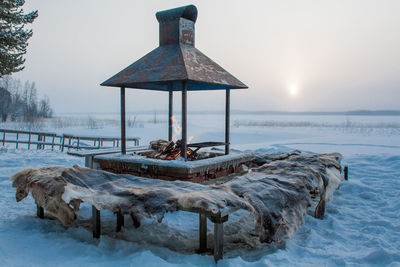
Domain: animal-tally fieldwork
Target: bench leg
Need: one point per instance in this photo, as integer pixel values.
(96, 222)
(202, 233)
(40, 212)
(89, 161)
(346, 172)
(120, 220)
(218, 241)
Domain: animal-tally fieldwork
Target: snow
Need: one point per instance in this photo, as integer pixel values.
(361, 225)
(130, 157)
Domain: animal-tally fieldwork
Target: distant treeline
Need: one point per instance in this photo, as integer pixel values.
(20, 101)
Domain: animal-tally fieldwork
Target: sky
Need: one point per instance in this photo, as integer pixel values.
(307, 55)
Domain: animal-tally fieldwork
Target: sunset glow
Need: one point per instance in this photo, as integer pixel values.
(293, 90)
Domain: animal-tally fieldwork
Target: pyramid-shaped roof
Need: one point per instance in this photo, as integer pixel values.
(175, 60)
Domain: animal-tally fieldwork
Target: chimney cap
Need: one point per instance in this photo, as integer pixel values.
(188, 12)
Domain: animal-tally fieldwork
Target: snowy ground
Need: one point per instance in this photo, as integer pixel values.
(361, 225)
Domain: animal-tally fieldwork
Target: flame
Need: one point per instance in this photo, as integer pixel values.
(190, 139)
(176, 151)
(177, 129)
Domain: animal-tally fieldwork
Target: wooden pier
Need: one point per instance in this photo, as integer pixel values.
(40, 140)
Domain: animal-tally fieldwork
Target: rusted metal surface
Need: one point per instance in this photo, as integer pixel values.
(175, 60)
(188, 12)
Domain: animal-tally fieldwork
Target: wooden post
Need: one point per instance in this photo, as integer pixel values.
(120, 220)
(89, 161)
(96, 222)
(52, 143)
(16, 143)
(202, 233)
(218, 241)
(184, 118)
(40, 212)
(38, 139)
(227, 120)
(346, 172)
(63, 143)
(4, 137)
(29, 141)
(218, 221)
(79, 140)
(44, 141)
(170, 113)
(69, 142)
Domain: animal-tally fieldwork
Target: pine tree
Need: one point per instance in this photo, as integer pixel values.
(13, 35)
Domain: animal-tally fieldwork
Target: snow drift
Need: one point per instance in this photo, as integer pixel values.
(278, 190)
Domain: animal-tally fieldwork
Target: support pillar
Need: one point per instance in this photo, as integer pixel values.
(89, 161)
(170, 114)
(40, 212)
(227, 119)
(218, 241)
(346, 172)
(39, 139)
(120, 220)
(202, 233)
(96, 222)
(62, 145)
(123, 122)
(218, 221)
(184, 119)
(29, 142)
(53, 142)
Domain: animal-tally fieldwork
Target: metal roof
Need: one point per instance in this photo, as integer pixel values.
(175, 60)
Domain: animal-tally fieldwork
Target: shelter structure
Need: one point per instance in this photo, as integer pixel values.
(176, 65)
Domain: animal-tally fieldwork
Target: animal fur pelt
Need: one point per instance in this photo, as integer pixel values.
(279, 192)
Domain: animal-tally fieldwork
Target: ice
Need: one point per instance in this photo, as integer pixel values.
(361, 225)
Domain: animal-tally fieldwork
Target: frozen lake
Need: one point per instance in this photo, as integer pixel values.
(361, 225)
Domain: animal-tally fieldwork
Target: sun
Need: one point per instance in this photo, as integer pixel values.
(293, 89)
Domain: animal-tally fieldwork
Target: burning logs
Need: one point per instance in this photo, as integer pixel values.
(170, 150)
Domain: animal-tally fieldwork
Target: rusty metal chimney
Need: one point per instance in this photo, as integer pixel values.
(177, 25)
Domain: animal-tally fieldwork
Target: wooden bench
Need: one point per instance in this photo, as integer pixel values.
(218, 219)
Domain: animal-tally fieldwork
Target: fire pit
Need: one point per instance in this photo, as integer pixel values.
(176, 65)
(170, 150)
(216, 165)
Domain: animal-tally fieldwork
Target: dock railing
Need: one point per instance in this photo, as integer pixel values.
(31, 138)
(43, 139)
(74, 141)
